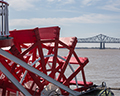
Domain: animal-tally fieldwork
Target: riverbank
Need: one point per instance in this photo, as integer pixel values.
(95, 48)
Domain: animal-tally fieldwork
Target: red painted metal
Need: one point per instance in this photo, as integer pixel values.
(32, 44)
(5, 42)
(4, 2)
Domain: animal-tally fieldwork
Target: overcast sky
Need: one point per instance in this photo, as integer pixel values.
(81, 18)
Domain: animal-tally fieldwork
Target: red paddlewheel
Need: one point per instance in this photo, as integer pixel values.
(39, 48)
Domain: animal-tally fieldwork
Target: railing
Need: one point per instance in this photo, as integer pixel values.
(4, 28)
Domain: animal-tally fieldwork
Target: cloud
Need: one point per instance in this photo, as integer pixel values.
(90, 18)
(21, 4)
(111, 8)
(112, 5)
(88, 2)
(63, 1)
(68, 1)
(50, 0)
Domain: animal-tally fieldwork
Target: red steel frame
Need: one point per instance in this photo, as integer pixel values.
(33, 42)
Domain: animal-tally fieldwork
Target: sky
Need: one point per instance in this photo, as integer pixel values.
(80, 18)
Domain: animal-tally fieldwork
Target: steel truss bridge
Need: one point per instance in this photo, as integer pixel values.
(102, 39)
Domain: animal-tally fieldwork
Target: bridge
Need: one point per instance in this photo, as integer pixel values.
(102, 39)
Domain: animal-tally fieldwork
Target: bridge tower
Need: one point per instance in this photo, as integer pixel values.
(102, 45)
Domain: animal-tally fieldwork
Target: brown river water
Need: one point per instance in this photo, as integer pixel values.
(104, 65)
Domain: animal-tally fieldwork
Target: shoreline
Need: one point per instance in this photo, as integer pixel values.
(95, 48)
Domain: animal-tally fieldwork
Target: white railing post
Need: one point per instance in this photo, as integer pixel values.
(4, 28)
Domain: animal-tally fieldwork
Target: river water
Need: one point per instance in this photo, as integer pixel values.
(104, 65)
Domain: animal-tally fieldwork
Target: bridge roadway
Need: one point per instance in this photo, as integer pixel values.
(102, 39)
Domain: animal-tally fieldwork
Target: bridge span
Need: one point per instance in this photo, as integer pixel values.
(102, 39)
